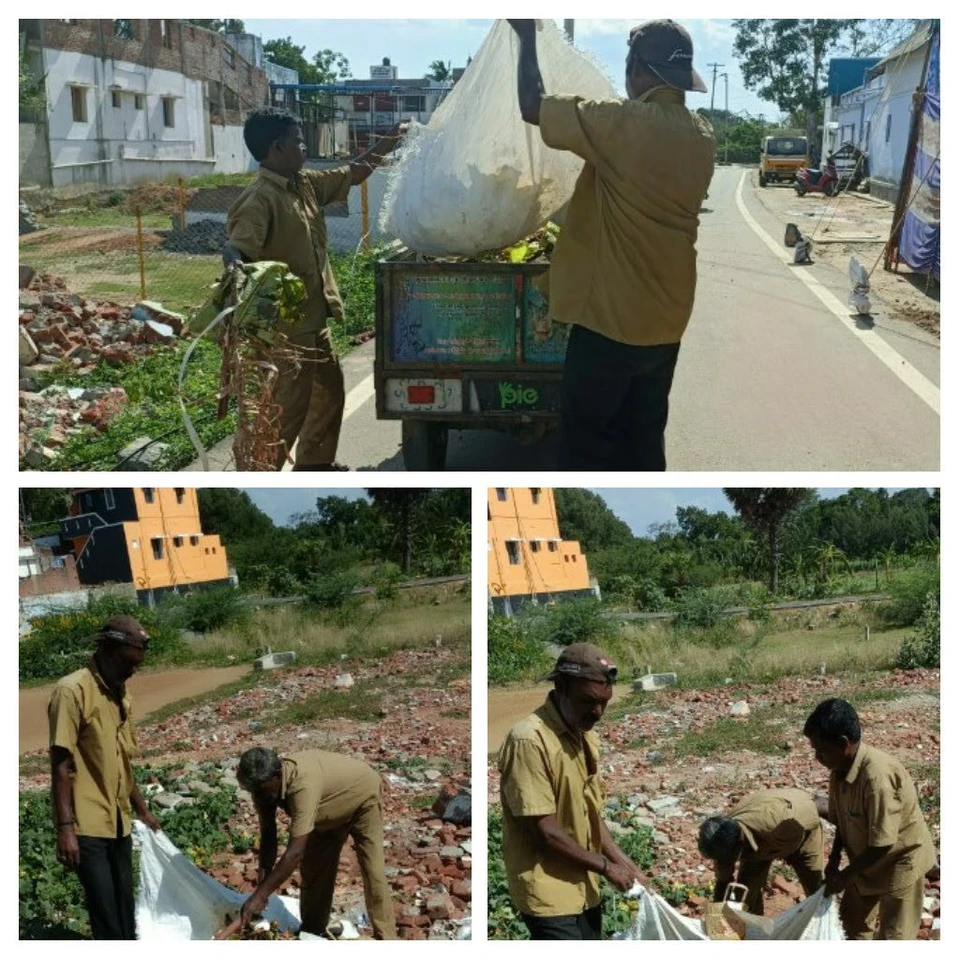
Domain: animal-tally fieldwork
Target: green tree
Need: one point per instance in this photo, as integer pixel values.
(232, 514)
(330, 66)
(43, 507)
(33, 96)
(785, 61)
(325, 67)
(439, 71)
(870, 38)
(221, 26)
(766, 510)
(584, 516)
(397, 505)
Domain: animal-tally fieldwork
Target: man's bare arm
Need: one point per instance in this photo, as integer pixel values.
(616, 855)
(529, 81)
(61, 767)
(553, 838)
(366, 163)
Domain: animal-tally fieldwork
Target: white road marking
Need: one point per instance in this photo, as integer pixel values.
(358, 396)
(928, 392)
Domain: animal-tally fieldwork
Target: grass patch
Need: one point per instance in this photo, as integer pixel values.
(33, 765)
(107, 217)
(758, 733)
(360, 702)
(424, 802)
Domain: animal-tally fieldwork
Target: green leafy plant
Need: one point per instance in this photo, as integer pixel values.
(909, 594)
(922, 647)
(700, 608)
(331, 591)
(387, 578)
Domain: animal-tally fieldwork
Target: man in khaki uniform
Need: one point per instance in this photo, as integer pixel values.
(328, 797)
(555, 843)
(624, 270)
(280, 217)
(873, 802)
(764, 826)
(92, 740)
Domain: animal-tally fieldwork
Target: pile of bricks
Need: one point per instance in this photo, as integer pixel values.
(60, 331)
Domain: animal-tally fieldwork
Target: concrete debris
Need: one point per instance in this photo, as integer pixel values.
(655, 681)
(271, 661)
(62, 331)
(343, 681)
(141, 454)
(740, 709)
(28, 220)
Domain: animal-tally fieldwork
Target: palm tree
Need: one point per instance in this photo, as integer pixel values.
(439, 71)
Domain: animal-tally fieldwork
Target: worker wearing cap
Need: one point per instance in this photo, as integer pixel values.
(92, 740)
(556, 846)
(880, 827)
(328, 797)
(624, 271)
(765, 826)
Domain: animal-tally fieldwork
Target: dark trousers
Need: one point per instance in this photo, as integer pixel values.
(614, 406)
(106, 873)
(578, 926)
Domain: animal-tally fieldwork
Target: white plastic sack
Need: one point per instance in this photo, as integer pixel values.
(859, 297)
(816, 918)
(178, 901)
(657, 920)
(477, 177)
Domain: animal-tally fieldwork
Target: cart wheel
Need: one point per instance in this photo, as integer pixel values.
(424, 445)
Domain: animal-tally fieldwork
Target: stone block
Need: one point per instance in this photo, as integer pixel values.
(28, 349)
(272, 661)
(655, 681)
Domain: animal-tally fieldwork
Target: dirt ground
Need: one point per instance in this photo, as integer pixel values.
(857, 225)
(150, 691)
(678, 744)
(406, 714)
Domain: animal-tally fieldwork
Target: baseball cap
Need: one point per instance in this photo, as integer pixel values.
(125, 629)
(666, 48)
(584, 661)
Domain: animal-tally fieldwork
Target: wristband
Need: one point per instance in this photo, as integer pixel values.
(66, 823)
(603, 869)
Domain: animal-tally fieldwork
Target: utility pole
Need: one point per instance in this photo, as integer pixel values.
(713, 86)
(726, 117)
(568, 29)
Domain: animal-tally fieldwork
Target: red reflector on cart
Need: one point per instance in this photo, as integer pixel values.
(421, 394)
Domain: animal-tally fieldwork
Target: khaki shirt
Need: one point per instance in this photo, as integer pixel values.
(543, 770)
(875, 805)
(625, 265)
(320, 790)
(280, 219)
(97, 729)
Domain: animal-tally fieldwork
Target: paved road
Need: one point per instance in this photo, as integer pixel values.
(773, 375)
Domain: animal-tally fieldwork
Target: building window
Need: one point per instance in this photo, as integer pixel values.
(194, 541)
(157, 544)
(552, 545)
(168, 103)
(889, 125)
(115, 99)
(138, 101)
(513, 552)
(166, 33)
(86, 501)
(148, 494)
(566, 558)
(178, 541)
(534, 546)
(78, 103)
(502, 494)
(179, 493)
(230, 55)
(361, 104)
(108, 499)
(124, 30)
(535, 494)
(249, 73)
(413, 104)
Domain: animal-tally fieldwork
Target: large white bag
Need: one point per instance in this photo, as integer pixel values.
(816, 918)
(178, 901)
(657, 920)
(477, 177)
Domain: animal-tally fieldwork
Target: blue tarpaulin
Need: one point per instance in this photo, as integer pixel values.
(920, 233)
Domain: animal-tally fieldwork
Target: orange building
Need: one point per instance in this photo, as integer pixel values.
(148, 536)
(526, 558)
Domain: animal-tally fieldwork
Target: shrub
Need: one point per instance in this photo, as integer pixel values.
(60, 643)
(331, 592)
(922, 647)
(700, 608)
(574, 621)
(909, 594)
(203, 611)
(512, 652)
(387, 578)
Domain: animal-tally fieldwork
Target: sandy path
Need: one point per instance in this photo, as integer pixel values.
(150, 691)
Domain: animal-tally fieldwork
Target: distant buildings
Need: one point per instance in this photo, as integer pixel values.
(527, 561)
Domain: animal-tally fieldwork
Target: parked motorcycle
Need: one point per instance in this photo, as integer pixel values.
(824, 181)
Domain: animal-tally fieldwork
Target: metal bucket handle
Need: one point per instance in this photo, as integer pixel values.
(730, 889)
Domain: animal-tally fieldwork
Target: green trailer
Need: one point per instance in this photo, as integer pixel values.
(464, 346)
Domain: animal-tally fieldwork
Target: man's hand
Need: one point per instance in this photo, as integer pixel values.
(232, 257)
(150, 820)
(524, 29)
(620, 876)
(68, 846)
(836, 880)
(253, 907)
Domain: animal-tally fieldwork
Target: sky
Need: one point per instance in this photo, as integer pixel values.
(639, 509)
(281, 503)
(412, 44)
